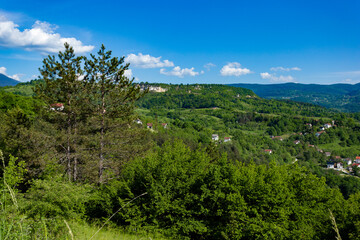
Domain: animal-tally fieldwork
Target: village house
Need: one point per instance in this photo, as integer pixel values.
(138, 121)
(152, 88)
(327, 125)
(357, 159)
(57, 107)
(319, 133)
(215, 137)
(296, 142)
(309, 125)
(328, 154)
(330, 165)
(157, 89)
(227, 139)
(149, 125)
(309, 145)
(347, 161)
(165, 125)
(339, 165)
(269, 151)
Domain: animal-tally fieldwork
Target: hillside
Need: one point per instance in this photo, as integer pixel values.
(197, 160)
(6, 81)
(342, 97)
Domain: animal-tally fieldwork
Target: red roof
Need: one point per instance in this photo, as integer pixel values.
(357, 157)
(268, 150)
(149, 124)
(57, 105)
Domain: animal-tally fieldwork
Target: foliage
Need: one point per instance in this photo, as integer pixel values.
(192, 196)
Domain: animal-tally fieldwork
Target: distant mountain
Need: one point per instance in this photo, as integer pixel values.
(343, 97)
(6, 81)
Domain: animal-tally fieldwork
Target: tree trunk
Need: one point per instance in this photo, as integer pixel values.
(102, 132)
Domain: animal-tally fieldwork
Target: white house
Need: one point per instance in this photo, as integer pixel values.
(348, 161)
(339, 165)
(57, 107)
(269, 151)
(227, 139)
(330, 165)
(215, 137)
(138, 121)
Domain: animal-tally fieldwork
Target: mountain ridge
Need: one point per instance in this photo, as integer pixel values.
(6, 81)
(340, 96)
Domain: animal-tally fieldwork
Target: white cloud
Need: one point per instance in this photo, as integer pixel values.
(234, 69)
(178, 72)
(128, 73)
(15, 76)
(147, 61)
(41, 37)
(285, 69)
(274, 78)
(209, 65)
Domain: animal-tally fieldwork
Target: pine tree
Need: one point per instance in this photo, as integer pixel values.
(112, 103)
(63, 92)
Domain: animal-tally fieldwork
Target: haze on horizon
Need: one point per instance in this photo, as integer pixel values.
(191, 41)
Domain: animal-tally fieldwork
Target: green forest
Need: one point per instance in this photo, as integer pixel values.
(87, 153)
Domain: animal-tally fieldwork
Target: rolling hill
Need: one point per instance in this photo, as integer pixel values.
(343, 97)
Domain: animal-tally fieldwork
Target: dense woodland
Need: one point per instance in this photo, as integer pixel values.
(86, 145)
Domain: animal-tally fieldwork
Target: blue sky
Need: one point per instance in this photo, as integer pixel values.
(191, 41)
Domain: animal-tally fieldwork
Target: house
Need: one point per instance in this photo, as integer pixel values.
(57, 107)
(296, 142)
(269, 151)
(227, 139)
(347, 161)
(149, 125)
(327, 125)
(138, 121)
(357, 159)
(309, 145)
(215, 137)
(157, 89)
(330, 165)
(319, 133)
(328, 154)
(337, 157)
(152, 88)
(339, 165)
(322, 128)
(165, 125)
(309, 125)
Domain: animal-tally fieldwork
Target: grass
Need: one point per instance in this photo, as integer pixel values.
(85, 231)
